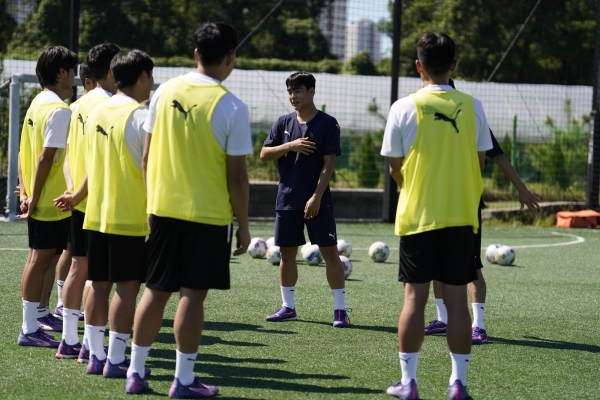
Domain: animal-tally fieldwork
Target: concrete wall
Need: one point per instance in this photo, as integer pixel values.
(355, 204)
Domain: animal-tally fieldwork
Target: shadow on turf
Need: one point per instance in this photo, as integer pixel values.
(169, 354)
(230, 327)
(389, 329)
(207, 340)
(259, 378)
(534, 341)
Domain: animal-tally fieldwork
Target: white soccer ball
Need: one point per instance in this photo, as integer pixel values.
(505, 255)
(312, 255)
(379, 252)
(270, 242)
(257, 248)
(344, 248)
(490, 252)
(274, 255)
(347, 266)
(301, 249)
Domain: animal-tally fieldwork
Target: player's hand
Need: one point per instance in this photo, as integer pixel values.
(312, 207)
(242, 241)
(23, 205)
(27, 209)
(302, 146)
(17, 190)
(530, 200)
(66, 202)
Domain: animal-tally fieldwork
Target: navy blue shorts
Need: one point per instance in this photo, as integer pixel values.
(289, 228)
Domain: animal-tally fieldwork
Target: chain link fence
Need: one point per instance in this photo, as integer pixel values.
(538, 104)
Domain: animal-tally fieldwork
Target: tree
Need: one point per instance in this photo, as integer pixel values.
(7, 26)
(361, 64)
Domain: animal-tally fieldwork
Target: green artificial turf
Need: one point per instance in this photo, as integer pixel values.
(541, 318)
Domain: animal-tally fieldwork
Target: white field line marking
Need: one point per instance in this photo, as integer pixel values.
(578, 239)
(7, 249)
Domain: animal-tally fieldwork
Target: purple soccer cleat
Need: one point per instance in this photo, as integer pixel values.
(436, 328)
(38, 338)
(404, 392)
(66, 351)
(340, 319)
(196, 389)
(457, 391)
(50, 323)
(283, 314)
(118, 370)
(95, 366)
(58, 311)
(84, 355)
(479, 336)
(135, 384)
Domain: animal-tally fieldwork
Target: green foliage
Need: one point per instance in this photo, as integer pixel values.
(257, 169)
(368, 168)
(361, 64)
(7, 26)
(556, 46)
(500, 180)
(275, 64)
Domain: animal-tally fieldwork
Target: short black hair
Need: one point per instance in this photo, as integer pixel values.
(299, 79)
(127, 66)
(99, 57)
(85, 73)
(51, 61)
(437, 52)
(213, 41)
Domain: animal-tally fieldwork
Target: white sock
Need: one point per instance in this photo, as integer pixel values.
(408, 366)
(460, 363)
(30, 313)
(184, 367)
(139, 354)
(85, 340)
(117, 344)
(59, 285)
(96, 341)
(70, 324)
(41, 311)
(339, 299)
(287, 296)
(441, 310)
(478, 310)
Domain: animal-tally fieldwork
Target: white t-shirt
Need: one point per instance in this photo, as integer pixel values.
(96, 92)
(401, 128)
(135, 134)
(57, 125)
(230, 122)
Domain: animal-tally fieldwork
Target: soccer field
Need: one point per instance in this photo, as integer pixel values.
(542, 320)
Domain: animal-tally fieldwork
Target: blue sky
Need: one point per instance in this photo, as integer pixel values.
(373, 10)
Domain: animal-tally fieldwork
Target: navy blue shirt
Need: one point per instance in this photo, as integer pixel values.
(299, 173)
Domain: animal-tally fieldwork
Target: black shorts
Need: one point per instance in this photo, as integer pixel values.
(48, 234)
(477, 245)
(444, 255)
(116, 258)
(289, 228)
(185, 254)
(79, 236)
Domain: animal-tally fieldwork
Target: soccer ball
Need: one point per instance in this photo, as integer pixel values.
(301, 249)
(274, 255)
(257, 248)
(505, 255)
(270, 242)
(344, 248)
(347, 266)
(312, 255)
(379, 252)
(490, 252)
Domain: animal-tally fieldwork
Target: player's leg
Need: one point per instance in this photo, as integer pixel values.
(477, 292)
(417, 268)
(166, 247)
(62, 268)
(437, 327)
(457, 246)
(289, 234)
(127, 267)
(96, 306)
(46, 320)
(73, 288)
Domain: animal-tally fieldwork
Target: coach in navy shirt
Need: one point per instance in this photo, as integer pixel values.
(305, 144)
